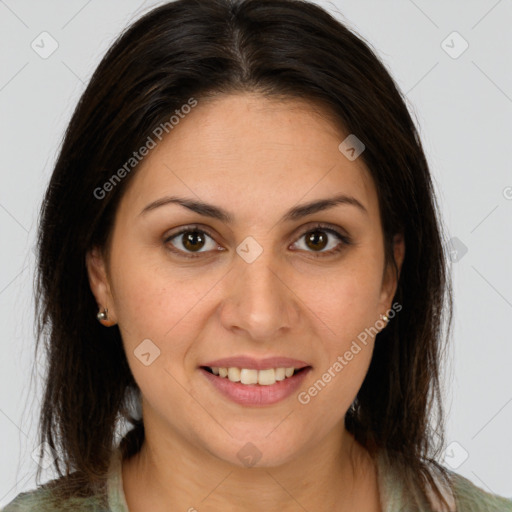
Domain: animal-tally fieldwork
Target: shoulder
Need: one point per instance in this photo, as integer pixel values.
(28, 501)
(75, 493)
(43, 500)
(471, 498)
(459, 493)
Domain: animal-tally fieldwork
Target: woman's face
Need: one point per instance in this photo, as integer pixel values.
(265, 288)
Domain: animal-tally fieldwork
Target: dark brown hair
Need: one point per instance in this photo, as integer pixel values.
(280, 49)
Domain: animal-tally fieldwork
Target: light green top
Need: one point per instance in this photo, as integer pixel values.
(466, 496)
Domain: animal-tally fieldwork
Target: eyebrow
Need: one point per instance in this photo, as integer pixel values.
(215, 212)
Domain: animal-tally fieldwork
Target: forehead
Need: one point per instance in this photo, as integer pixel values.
(246, 151)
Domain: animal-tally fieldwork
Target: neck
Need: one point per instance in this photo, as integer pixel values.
(335, 475)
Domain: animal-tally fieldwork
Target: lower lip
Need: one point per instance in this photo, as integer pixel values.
(256, 394)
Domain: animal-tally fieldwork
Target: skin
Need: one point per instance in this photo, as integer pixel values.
(256, 158)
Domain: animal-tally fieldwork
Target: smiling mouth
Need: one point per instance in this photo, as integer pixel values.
(252, 377)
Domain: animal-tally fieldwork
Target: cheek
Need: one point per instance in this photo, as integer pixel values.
(155, 314)
(155, 317)
(346, 315)
(346, 299)
(152, 298)
(346, 309)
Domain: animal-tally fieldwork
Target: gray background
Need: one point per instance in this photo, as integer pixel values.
(463, 106)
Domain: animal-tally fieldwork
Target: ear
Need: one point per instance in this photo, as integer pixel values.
(99, 282)
(391, 275)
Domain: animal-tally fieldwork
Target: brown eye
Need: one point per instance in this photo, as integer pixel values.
(193, 240)
(320, 238)
(316, 240)
(189, 241)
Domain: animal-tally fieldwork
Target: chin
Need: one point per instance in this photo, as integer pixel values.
(259, 450)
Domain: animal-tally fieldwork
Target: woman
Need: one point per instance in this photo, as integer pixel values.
(240, 258)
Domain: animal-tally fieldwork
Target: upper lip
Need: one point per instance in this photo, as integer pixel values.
(257, 364)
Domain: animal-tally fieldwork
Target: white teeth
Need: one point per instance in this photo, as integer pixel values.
(280, 373)
(289, 372)
(234, 374)
(267, 377)
(248, 376)
(251, 376)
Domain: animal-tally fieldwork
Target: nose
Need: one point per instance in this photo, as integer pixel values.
(259, 301)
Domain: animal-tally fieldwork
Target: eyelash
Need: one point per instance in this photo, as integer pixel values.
(344, 240)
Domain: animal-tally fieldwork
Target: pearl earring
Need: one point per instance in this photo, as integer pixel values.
(102, 315)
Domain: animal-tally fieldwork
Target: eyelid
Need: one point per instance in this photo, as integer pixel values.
(332, 228)
(186, 229)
